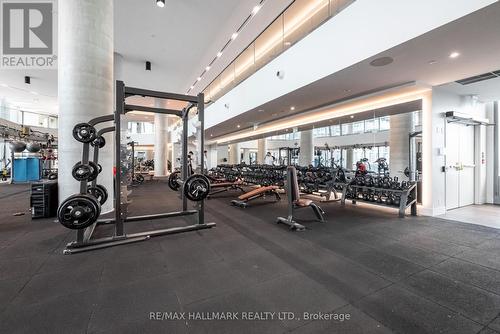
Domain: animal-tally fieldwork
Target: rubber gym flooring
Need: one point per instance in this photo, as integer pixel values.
(390, 275)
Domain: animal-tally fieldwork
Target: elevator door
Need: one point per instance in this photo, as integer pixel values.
(459, 165)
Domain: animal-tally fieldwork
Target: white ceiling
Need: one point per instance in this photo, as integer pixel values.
(179, 40)
(475, 36)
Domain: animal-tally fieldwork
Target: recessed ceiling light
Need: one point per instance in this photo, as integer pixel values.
(219, 54)
(255, 10)
(454, 55)
(211, 135)
(288, 43)
(198, 79)
(233, 36)
(352, 116)
(160, 3)
(207, 68)
(238, 126)
(292, 108)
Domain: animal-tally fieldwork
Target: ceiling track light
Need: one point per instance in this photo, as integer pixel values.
(27, 80)
(255, 10)
(160, 3)
(148, 65)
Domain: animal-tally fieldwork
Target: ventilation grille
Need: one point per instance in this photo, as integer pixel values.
(480, 77)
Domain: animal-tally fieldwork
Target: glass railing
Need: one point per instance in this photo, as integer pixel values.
(297, 21)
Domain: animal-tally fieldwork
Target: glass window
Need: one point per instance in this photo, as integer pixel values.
(346, 129)
(226, 82)
(244, 64)
(358, 127)
(335, 130)
(385, 123)
(302, 17)
(371, 125)
(270, 43)
(34, 119)
(321, 132)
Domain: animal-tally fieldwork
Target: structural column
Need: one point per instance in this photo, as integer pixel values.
(399, 156)
(306, 155)
(261, 150)
(85, 85)
(161, 141)
(349, 158)
(234, 153)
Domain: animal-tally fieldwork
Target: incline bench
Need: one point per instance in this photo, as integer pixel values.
(225, 186)
(243, 200)
(295, 202)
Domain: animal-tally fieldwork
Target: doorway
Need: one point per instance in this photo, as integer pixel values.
(460, 166)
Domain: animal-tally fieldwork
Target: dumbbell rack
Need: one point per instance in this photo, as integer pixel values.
(410, 192)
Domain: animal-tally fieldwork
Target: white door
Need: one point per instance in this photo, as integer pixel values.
(459, 165)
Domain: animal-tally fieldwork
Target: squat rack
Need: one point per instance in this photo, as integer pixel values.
(84, 241)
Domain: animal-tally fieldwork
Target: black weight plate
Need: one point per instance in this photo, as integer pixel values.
(84, 132)
(99, 192)
(99, 142)
(85, 172)
(139, 178)
(196, 187)
(78, 211)
(172, 181)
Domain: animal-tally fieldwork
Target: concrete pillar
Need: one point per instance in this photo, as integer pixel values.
(222, 154)
(401, 127)
(349, 159)
(85, 85)
(161, 141)
(261, 150)
(234, 153)
(306, 155)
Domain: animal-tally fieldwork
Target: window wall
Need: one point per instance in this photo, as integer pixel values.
(367, 126)
(286, 136)
(28, 118)
(141, 128)
(297, 21)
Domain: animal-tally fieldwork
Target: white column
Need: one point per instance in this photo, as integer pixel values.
(349, 159)
(85, 85)
(401, 127)
(261, 150)
(306, 155)
(161, 141)
(234, 153)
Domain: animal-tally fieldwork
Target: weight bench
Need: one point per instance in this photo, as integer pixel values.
(225, 186)
(295, 202)
(243, 200)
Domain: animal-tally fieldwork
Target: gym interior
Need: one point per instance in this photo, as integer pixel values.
(250, 166)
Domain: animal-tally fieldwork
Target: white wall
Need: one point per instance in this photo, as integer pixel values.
(351, 36)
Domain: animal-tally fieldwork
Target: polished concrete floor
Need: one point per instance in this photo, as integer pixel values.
(390, 275)
(486, 215)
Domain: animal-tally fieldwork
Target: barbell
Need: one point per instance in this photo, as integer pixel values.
(196, 188)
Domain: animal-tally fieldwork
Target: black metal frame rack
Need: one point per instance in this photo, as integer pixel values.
(84, 241)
